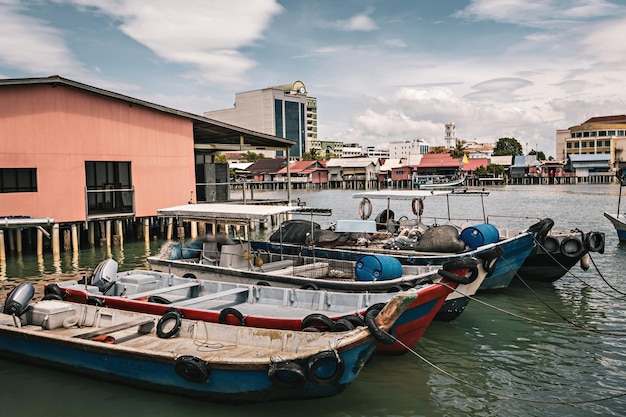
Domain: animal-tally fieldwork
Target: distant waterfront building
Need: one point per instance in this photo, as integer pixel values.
(351, 150)
(284, 110)
(327, 148)
(377, 152)
(605, 135)
(406, 148)
(450, 135)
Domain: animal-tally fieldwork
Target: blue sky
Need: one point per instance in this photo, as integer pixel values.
(381, 70)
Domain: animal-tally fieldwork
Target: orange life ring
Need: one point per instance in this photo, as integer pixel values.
(418, 206)
(365, 208)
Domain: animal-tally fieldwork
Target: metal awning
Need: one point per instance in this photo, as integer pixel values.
(14, 222)
(226, 212)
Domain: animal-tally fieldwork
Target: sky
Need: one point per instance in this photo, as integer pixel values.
(381, 70)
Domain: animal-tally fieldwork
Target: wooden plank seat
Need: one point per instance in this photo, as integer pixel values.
(115, 328)
(208, 297)
(163, 290)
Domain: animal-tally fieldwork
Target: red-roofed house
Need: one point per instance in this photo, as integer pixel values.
(303, 173)
(438, 164)
(473, 163)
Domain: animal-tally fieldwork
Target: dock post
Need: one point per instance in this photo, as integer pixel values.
(3, 254)
(74, 238)
(108, 233)
(91, 227)
(56, 246)
(146, 229)
(194, 229)
(170, 225)
(18, 240)
(39, 242)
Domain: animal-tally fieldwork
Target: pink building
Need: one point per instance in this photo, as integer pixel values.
(79, 154)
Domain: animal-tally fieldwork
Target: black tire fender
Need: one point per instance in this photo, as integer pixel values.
(229, 311)
(309, 286)
(541, 229)
(378, 333)
(262, 284)
(324, 359)
(95, 301)
(594, 241)
(190, 276)
(170, 314)
(286, 374)
(572, 247)
(192, 369)
(317, 318)
(462, 263)
(52, 296)
(490, 258)
(53, 289)
(355, 319)
(342, 325)
(551, 245)
(158, 299)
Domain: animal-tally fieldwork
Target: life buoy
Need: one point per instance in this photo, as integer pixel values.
(418, 206)
(192, 368)
(378, 333)
(595, 242)
(365, 208)
(342, 325)
(229, 311)
(287, 374)
(471, 264)
(170, 314)
(490, 258)
(331, 366)
(317, 320)
(572, 247)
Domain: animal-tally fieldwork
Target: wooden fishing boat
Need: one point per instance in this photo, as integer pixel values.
(619, 219)
(240, 260)
(204, 360)
(266, 306)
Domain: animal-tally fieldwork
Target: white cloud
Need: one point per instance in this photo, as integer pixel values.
(360, 22)
(203, 34)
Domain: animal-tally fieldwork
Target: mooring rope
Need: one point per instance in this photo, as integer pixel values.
(569, 271)
(499, 394)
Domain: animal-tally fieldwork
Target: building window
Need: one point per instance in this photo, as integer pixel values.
(602, 133)
(569, 145)
(611, 133)
(109, 187)
(278, 114)
(575, 144)
(607, 143)
(18, 180)
(620, 133)
(585, 134)
(593, 134)
(583, 144)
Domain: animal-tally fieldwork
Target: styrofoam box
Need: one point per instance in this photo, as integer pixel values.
(50, 314)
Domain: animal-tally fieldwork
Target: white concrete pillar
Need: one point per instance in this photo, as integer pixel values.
(39, 242)
(18, 240)
(3, 254)
(56, 244)
(74, 238)
(146, 229)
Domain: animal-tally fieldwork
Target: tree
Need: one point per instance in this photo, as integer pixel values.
(437, 149)
(251, 156)
(312, 155)
(540, 155)
(459, 149)
(220, 159)
(507, 146)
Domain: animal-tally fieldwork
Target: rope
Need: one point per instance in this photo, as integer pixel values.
(568, 271)
(499, 394)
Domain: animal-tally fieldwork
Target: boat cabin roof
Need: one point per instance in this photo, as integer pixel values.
(227, 212)
(411, 194)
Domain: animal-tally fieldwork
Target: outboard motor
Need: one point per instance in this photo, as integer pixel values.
(105, 275)
(18, 299)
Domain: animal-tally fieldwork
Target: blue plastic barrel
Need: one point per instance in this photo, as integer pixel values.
(377, 268)
(479, 235)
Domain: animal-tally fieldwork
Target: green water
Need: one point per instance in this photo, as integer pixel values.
(492, 361)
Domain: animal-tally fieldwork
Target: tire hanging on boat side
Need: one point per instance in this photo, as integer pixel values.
(192, 369)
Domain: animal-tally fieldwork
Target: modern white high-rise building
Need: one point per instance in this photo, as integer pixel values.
(284, 110)
(405, 148)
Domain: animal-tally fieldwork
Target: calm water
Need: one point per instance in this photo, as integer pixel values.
(491, 361)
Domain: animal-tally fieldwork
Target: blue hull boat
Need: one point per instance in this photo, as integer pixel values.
(209, 361)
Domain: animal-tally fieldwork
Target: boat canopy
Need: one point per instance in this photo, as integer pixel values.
(226, 212)
(412, 194)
